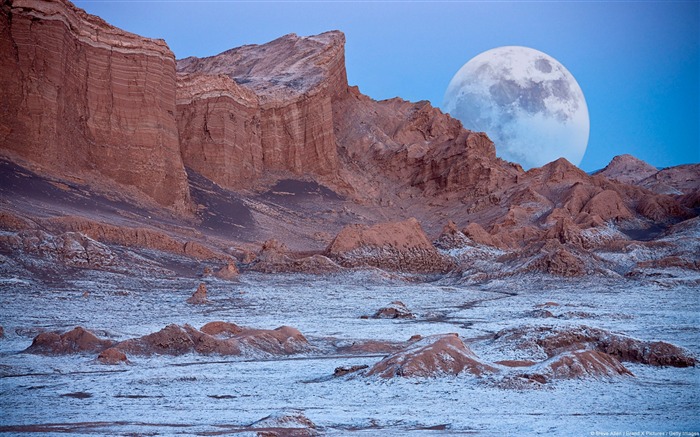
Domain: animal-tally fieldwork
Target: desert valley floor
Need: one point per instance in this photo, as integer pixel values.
(214, 395)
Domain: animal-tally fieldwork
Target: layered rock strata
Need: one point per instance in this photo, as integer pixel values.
(262, 108)
(85, 100)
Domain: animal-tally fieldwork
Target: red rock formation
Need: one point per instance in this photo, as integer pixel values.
(77, 340)
(227, 272)
(432, 356)
(478, 234)
(275, 257)
(582, 364)
(70, 248)
(258, 108)
(221, 329)
(395, 310)
(628, 170)
(112, 356)
(550, 342)
(285, 424)
(401, 246)
(284, 340)
(217, 338)
(83, 99)
(142, 237)
(200, 295)
(451, 238)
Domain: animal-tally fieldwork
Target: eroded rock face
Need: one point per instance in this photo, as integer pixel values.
(401, 246)
(452, 238)
(77, 340)
(85, 99)
(258, 108)
(437, 355)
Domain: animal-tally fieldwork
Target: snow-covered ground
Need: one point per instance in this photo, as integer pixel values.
(195, 394)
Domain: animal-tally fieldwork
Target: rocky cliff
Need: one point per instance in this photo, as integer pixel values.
(84, 100)
(262, 108)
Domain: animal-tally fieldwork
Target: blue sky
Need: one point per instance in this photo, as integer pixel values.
(637, 62)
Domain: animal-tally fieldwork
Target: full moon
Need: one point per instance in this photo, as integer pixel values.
(527, 102)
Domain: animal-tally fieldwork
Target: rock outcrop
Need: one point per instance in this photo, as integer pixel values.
(395, 310)
(112, 356)
(85, 100)
(199, 297)
(259, 108)
(77, 340)
(400, 246)
(215, 338)
(433, 356)
(546, 342)
(628, 170)
(291, 423)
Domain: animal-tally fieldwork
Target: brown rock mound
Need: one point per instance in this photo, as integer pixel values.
(285, 424)
(395, 310)
(228, 272)
(284, 340)
(200, 295)
(171, 340)
(112, 356)
(547, 342)
(220, 338)
(275, 257)
(559, 261)
(399, 246)
(77, 340)
(432, 356)
(221, 329)
(582, 364)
